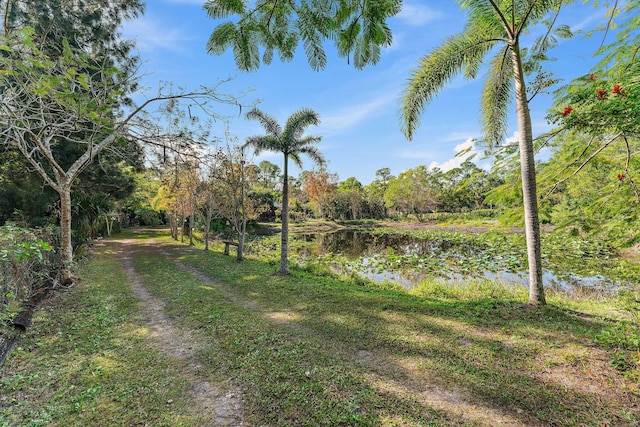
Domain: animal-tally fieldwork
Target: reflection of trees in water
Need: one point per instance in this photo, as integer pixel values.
(354, 244)
(448, 259)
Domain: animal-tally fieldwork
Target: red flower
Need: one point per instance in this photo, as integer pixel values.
(592, 77)
(602, 94)
(620, 176)
(618, 90)
(567, 110)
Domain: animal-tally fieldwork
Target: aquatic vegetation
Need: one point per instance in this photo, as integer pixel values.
(411, 257)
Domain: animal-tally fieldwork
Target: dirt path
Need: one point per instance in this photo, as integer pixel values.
(381, 366)
(219, 404)
(398, 374)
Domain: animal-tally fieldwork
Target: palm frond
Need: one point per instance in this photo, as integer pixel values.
(434, 71)
(532, 12)
(298, 122)
(261, 143)
(290, 142)
(217, 9)
(483, 14)
(496, 97)
(314, 154)
(295, 158)
(268, 122)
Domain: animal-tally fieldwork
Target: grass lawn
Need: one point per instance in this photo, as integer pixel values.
(310, 349)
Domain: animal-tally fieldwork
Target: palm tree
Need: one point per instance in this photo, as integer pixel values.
(492, 26)
(290, 142)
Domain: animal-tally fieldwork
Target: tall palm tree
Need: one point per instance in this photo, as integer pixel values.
(290, 142)
(493, 26)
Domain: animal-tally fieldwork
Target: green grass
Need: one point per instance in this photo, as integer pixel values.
(313, 349)
(87, 362)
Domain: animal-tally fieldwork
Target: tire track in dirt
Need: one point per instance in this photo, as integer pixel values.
(379, 365)
(219, 404)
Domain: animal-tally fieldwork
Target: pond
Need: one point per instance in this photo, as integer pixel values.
(408, 260)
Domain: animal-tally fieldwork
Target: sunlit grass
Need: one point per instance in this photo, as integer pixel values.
(313, 348)
(87, 361)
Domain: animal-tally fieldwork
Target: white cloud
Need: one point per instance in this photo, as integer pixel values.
(455, 136)
(352, 115)
(150, 36)
(512, 139)
(417, 15)
(457, 160)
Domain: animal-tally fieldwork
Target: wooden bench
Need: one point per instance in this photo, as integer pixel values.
(228, 243)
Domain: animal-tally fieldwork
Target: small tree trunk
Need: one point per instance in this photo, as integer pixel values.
(207, 229)
(284, 248)
(529, 193)
(109, 224)
(241, 232)
(66, 247)
(191, 227)
(173, 223)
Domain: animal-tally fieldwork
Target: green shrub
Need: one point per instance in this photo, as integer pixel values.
(27, 263)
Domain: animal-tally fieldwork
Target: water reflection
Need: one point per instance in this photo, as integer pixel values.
(408, 261)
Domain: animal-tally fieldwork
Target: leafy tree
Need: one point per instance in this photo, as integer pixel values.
(494, 27)
(606, 107)
(465, 187)
(320, 186)
(597, 137)
(603, 200)
(353, 192)
(211, 203)
(291, 143)
(137, 206)
(269, 174)
(374, 193)
(383, 176)
(68, 100)
(413, 192)
(357, 27)
(229, 179)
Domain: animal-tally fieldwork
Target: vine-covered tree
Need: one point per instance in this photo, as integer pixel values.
(292, 143)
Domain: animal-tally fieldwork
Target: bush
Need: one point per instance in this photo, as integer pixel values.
(27, 264)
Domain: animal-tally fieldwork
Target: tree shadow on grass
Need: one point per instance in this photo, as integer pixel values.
(487, 350)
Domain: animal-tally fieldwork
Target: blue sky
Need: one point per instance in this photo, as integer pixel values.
(359, 109)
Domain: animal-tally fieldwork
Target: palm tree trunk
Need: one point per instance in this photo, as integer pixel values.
(284, 247)
(528, 172)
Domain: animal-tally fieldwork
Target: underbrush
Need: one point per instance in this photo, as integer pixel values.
(28, 263)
